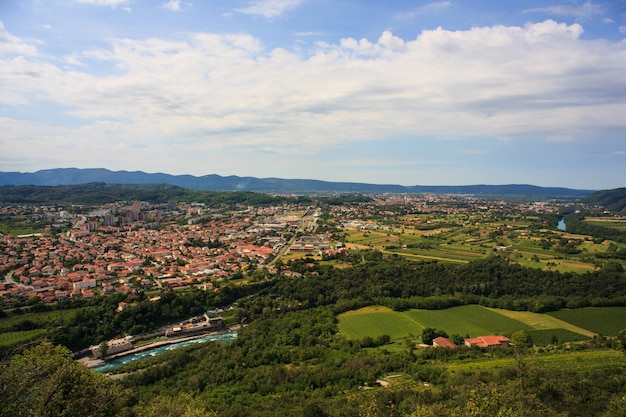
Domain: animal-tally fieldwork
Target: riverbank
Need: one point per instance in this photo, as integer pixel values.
(92, 363)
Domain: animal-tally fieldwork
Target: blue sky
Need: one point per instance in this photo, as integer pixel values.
(400, 92)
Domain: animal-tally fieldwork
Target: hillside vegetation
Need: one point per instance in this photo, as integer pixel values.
(614, 200)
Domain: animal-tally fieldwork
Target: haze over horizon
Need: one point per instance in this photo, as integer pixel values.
(400, 92)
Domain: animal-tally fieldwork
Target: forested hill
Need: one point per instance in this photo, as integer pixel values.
(213, 182)
(614, 200)
(100, 193)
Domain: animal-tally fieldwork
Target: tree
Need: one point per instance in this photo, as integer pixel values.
(430, 333)
(521, 339)
(104, 348)
(46, 381)
(184, 405)
(621, 339)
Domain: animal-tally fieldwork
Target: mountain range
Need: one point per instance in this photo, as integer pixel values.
(213, 182)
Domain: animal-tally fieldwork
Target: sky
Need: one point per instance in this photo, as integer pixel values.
(457, 92)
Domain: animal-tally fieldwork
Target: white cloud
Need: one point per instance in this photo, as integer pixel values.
(12, 45)
(209, 92)
(622, 29)
(173, 5)
(581, 12)
(270, 8)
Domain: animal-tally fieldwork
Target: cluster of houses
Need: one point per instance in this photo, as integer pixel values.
(485, 342)
(109, 257)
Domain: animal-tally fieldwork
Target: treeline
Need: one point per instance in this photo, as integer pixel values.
(576, 223)
(101, 193)
(402, 284)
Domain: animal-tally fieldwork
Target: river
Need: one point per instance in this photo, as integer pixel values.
(134, 357)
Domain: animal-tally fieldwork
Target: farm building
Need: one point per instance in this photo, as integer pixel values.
(487, 342)
(443, 342)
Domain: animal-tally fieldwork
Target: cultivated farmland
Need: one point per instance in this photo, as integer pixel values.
(475, 320)
(607, 321)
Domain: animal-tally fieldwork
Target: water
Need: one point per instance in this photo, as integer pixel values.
(561, 224)
(125, 360)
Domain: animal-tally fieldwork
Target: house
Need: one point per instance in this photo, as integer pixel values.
(487, 342)
(443, 342)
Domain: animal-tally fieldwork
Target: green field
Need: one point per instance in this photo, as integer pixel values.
(40, 319)
(614, 224)
(475, 320)
(13, 338)
(607, 321)
(377, 321)
(542, 322)
(578, 361)
(544, 337)
(453, 242)
(472, 320)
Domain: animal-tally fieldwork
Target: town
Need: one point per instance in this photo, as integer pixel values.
(126, 247)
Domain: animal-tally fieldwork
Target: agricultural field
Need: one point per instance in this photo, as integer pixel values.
(470, 320)
(462, 240)
(377, 321)
(543, 322)
(577, 361)
(607, 321)
(607, 222)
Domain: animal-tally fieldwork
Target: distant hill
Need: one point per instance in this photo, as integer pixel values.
(74, 176)
(614, 200)
(101, 193)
